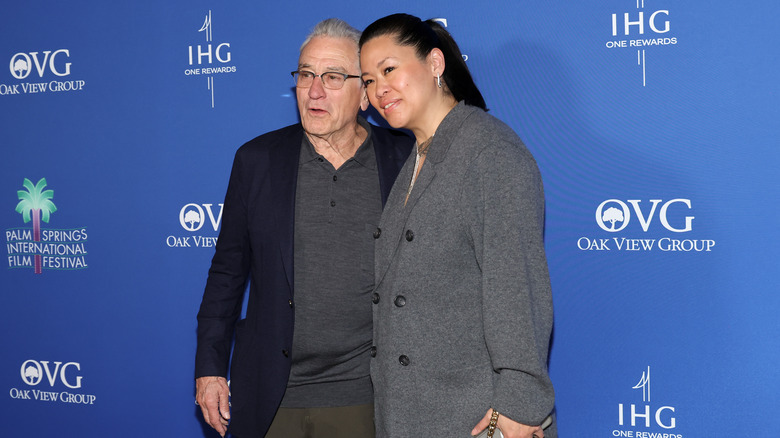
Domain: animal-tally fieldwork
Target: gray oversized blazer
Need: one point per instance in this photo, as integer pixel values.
(462, 302)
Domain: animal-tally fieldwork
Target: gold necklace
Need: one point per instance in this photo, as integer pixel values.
(422, 151)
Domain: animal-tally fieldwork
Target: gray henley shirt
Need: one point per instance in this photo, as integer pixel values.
(336, 213)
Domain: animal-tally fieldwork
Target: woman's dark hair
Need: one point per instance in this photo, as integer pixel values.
(425, 36)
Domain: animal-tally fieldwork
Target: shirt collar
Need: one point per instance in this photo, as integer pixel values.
(364, 155)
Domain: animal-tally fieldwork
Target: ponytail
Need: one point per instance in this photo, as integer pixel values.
(425, 36)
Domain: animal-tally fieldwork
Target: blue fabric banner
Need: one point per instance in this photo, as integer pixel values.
(654, 123)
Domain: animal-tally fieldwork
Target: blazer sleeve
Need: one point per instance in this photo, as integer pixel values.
(222, 298)
(505, 195)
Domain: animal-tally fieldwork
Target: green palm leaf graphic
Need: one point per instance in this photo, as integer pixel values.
(35, 198)
(35, 204)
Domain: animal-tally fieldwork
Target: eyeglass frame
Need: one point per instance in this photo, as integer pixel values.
(322, 78)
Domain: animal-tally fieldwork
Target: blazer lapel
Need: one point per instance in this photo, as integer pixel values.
(391, 153)
(386, 167)
(284, 158)
(393, 220)
(396, 214)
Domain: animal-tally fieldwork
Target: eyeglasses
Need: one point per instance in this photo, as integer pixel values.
(331, 80)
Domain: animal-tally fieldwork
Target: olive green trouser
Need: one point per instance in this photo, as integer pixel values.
(340, 422)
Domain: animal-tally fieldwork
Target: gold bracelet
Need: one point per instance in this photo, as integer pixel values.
(493, 423)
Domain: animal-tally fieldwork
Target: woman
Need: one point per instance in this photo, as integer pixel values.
(462, 302)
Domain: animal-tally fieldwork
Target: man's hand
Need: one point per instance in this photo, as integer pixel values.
(510, 429)
(211, 393)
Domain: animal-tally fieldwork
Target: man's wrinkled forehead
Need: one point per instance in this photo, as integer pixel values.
(341, 54)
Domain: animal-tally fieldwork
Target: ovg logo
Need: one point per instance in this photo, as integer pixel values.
(193, 217)
(22, 63)
(33, 372)
(209, 59)
(36, 66)
(614, 215)
(654, 216)
(39, 248)
(36, 373)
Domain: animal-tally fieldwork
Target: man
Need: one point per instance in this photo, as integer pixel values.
(300, 215)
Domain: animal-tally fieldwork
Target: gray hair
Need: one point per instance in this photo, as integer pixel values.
(333, 28)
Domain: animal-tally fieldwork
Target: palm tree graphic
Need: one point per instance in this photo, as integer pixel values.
(35, 204)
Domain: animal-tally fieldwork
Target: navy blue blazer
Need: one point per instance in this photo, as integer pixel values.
(256, 241)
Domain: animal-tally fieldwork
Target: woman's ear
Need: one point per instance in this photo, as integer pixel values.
(436, 61)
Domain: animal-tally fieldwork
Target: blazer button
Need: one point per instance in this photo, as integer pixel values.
(400, 301)
(372, 351)
(375, 298)
(377, 233)
(403, 360)
(290, 303)
(409, 235)
(286, 353)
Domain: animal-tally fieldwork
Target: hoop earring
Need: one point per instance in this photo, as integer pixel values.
(438, 80)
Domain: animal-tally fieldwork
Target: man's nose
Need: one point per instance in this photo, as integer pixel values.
(317, 89)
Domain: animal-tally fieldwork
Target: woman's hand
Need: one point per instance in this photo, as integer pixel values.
(510, 428)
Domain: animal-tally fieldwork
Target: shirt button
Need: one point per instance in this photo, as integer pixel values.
(375, 298)
(403, 360)
(332, 203)
(409, 235)
(335, 178)
(377, 233)
(286, 353)
(372, 351)
(400, 301)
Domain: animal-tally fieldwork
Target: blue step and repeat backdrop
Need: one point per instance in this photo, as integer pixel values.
(655, 124)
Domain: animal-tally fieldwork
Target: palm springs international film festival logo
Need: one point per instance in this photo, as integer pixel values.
(41, 248)
(646, 419)
(198, 220)
(41, 72)
(673, 219)
(52, 382)
(210, 59)
(640, 28)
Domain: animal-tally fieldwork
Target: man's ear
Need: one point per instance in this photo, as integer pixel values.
(364, 103)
